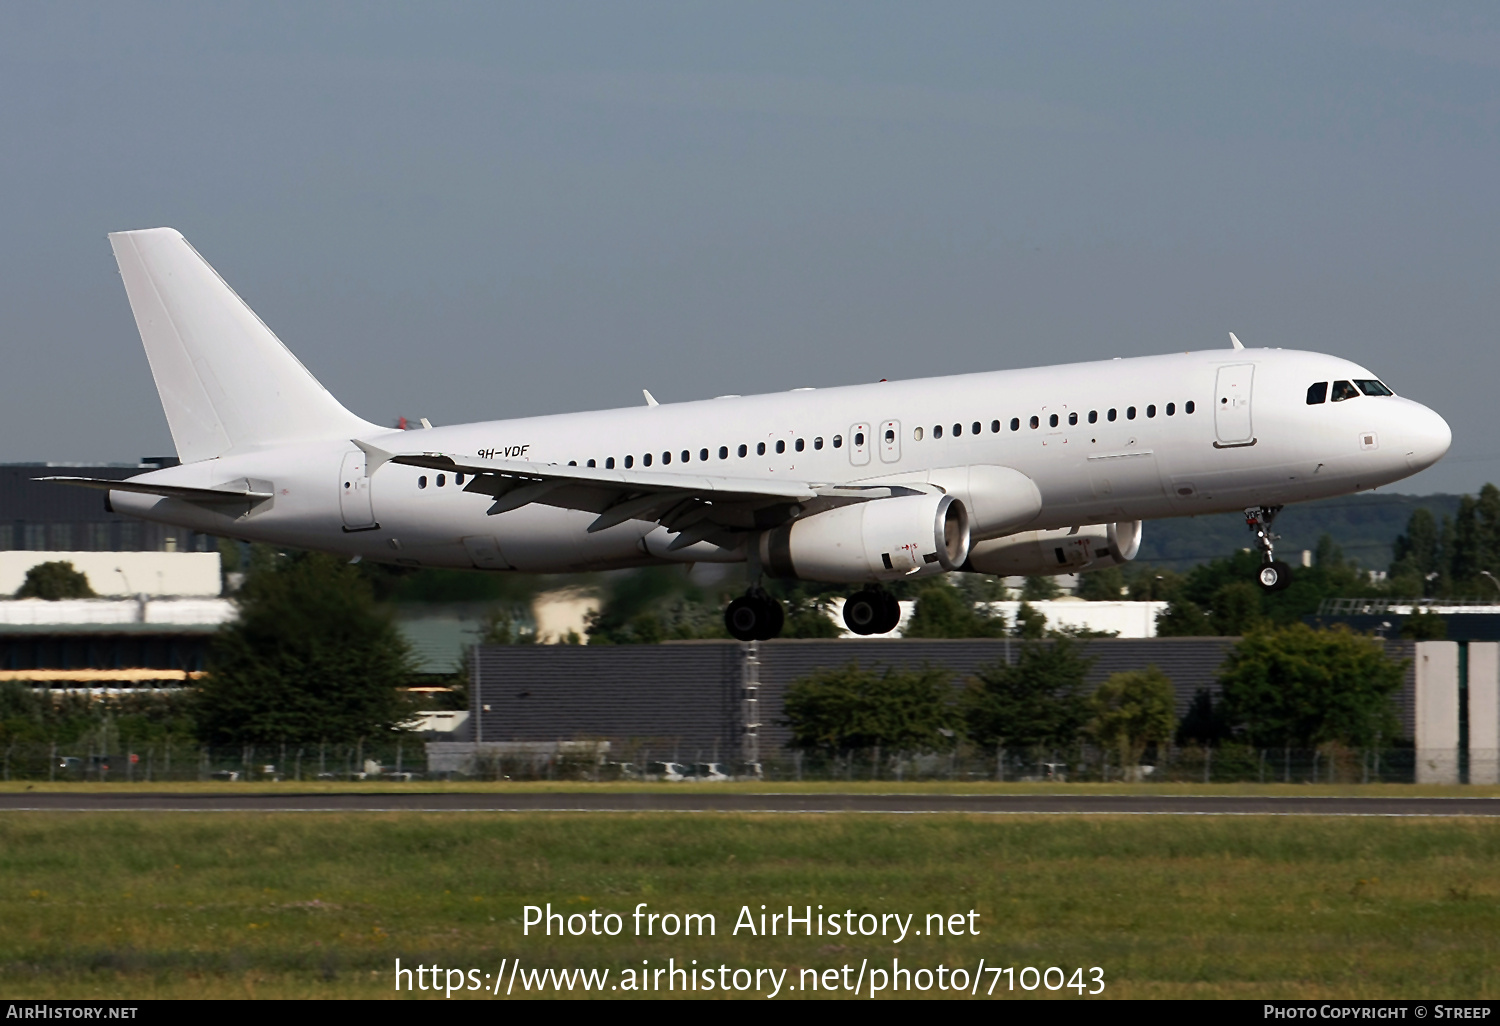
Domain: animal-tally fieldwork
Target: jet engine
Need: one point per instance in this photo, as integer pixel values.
(1070, 550)
(879, 540)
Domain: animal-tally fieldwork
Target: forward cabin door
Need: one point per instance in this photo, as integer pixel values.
(1232, 405)
(354, 494)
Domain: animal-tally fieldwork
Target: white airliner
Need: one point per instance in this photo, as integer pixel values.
(1039, 471)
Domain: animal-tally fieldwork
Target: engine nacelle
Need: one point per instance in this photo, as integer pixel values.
(1066, 551)
(879, 540)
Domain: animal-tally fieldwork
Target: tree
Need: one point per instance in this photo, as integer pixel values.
(837, 710)
(1424, 626)
(1040, 587)
(54, 581)
(1031, 623)
(310, 658)
(1036, 702)
(1183, 619)
(1301, 687)
(943, 611)
(1132, 710)
(1106, 585)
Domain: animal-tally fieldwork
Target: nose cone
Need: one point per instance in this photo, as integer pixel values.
(1426, 437)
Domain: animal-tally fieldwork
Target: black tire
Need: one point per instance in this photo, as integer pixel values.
(754, 618)
(1274, 576)
(891, 613)
(775, 619)
(745, 618)
(864, 612)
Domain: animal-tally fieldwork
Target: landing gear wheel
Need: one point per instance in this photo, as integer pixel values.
(1274, 576)
(871, 611)
(754, 617)
(865, 612)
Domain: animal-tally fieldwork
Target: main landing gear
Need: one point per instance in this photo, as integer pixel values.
(754, 616)
(1274, 575)
(872, 611)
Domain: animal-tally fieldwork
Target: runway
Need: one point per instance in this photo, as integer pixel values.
(709, 801)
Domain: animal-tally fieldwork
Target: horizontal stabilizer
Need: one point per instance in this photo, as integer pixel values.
(210, 496)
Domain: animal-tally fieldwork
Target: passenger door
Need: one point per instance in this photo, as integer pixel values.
(1232, 405)
(354, 494)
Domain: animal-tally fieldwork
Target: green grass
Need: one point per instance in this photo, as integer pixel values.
(307, 905)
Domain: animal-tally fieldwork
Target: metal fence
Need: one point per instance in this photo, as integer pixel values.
(407, 760)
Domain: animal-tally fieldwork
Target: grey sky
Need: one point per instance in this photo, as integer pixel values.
(490, 210)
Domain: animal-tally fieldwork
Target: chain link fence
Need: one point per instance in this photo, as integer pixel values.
(407, 759)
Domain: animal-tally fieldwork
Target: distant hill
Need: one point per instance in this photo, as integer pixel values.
(1364, 526)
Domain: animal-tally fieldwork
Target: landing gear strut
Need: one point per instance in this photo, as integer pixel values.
(1273, 575)
(872, 611)
(754, 616)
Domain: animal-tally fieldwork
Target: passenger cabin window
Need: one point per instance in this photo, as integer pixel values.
(838, 441)
(1171, 409)
(917, 434)
(1151, 411)
(1072, 419)
(1344, 390)
(458, 479)
(1373, 388)
(937, 431)
(974, 429)
(780, 446)
(760, 448)
(591, 463)
(666, 458)
(994, 427)
(1112, 415)
(422, 481)
(958, 429)
(703, 455)
(1317, 393)
(743, 452)
(800, 445)
(629, 462)
(609, 464)
(1035, 423)
(1015, 423)
(442, 479)
(1130, 413)
(1093, 416)
(859, 438)
(818, 442)
(1052, 421)
(723, 452)
(645, 460)
(1187, 407)
(688, 456)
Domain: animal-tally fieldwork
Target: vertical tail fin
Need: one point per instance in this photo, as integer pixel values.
(226, 382)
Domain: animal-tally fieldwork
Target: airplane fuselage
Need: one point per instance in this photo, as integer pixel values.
(1118, 440)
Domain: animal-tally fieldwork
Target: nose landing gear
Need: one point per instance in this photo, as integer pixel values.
(754, 616)
(872, 611)
(1274, 575)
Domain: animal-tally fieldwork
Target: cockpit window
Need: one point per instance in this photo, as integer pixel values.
(1373, 388)
(1343, 390)
(1317, 393)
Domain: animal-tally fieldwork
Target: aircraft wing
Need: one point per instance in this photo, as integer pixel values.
(700, 507)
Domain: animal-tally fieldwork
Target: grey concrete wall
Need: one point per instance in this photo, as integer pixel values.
(1484, 712)
(1437, 712)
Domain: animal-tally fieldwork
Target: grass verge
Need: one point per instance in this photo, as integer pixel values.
(235, 905)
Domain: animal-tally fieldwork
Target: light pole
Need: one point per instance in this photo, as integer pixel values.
(1486, 573)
